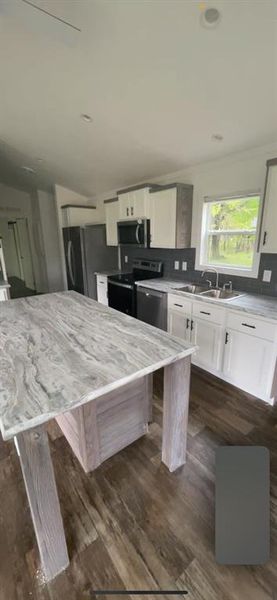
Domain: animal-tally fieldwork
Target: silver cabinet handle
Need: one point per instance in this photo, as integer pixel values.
(132, 211)
(127, 211)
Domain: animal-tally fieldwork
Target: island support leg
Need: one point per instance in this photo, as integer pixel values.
(34, 453)
(175, 413)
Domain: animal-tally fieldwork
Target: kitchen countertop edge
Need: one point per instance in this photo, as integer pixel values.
(256, 304)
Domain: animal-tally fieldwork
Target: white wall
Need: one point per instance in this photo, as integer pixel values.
(49, 241)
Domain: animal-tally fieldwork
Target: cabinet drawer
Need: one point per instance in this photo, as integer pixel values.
(179, 304)
(246, 323)
(208, 312)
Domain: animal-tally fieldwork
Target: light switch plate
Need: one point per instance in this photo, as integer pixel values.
(184, 265)
(267, 276)
(176, 265)
(125, 258)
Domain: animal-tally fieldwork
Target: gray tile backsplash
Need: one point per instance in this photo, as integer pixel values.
(247, 284)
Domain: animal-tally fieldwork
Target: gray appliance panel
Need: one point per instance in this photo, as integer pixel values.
(152, 307)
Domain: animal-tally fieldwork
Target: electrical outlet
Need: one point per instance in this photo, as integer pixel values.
(125, 258)
(267, 276)
(176, 265)
(184, 265)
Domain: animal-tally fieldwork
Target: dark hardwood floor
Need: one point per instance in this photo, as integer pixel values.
(132, 524)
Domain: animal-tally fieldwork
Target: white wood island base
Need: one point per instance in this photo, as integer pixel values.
(67, 357)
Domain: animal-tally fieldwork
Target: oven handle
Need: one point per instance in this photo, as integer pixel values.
(124, 285)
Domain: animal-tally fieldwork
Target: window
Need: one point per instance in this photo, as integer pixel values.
(229, 234)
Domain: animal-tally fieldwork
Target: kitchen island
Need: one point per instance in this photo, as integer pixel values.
(61, 353)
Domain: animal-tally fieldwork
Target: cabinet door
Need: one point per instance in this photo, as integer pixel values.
(247, 362)
(76, 216)
(209, 338)
(102, 289)
(3, 295)
(124, 206)
(269, 227)
(179, 324)
(139, 203)
(163, 218)
(112, 216)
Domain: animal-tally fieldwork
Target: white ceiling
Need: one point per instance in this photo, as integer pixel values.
(157, 84)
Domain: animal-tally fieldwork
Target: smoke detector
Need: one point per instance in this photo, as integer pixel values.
(210, 18)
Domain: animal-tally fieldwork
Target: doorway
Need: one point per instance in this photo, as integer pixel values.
(18, 256)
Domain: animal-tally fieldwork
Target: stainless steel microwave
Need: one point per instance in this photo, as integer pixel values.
(134, 233)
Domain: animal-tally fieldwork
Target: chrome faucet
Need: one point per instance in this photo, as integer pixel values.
(228, 284)
(212, 271)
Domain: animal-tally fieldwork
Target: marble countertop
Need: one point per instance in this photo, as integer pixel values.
(60, 350)
(264, 306)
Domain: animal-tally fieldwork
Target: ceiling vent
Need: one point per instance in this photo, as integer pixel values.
(210, 17)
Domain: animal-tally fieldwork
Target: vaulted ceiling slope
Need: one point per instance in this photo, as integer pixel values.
(156, 83)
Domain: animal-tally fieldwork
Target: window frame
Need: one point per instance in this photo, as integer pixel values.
(201, 249)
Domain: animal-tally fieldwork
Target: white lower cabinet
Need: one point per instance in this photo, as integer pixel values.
(102, 289)
(179, 324)
(236, 346)
(248, 362)
(209, 339)
(4, 294)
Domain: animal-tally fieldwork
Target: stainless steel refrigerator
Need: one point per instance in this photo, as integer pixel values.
(85, 253)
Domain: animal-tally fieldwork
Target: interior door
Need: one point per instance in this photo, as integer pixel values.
(209, 339)
(248, 374)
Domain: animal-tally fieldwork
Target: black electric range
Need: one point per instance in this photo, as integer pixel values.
(122, 288)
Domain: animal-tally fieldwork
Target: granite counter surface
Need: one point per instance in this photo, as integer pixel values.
(264, 306)
(60, 350)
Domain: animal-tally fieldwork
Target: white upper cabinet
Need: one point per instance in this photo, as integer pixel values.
(112, 216)
(268, 241)
(170, 216)
(134, 203)
(73, 216)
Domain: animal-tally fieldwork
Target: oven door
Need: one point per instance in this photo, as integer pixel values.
(121, 297)
(134, 233)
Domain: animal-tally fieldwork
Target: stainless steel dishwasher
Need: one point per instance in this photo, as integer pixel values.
(152, 307)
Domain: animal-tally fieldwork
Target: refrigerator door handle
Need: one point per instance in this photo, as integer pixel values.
(69, 261)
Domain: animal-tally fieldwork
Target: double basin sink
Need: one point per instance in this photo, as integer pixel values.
(216, 294)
